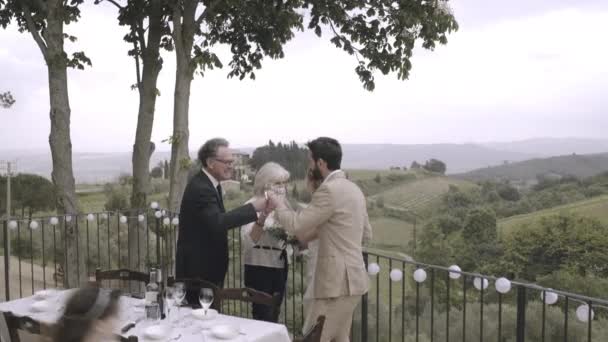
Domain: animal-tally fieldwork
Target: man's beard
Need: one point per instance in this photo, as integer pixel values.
(315, 174)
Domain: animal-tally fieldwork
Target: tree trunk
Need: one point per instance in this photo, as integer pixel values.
(147, 102)
(183, 36)
(143, 148)
(59, 138)
(180, 157)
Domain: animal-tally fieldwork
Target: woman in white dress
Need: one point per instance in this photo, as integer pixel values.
(265, 255)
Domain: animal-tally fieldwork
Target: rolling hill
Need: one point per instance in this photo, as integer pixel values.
(459, 158)
(596, 207)
(422, 193)
(581, 166)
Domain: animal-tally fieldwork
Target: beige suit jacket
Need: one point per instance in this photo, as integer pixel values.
(338, 213)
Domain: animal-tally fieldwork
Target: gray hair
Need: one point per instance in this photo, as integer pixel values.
(209, 149)
(269, 173)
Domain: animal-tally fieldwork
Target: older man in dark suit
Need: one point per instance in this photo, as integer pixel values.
(202, 245)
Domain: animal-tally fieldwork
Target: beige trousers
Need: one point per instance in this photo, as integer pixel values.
(338, 314)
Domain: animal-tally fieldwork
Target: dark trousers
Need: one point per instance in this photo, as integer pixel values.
(269, 280)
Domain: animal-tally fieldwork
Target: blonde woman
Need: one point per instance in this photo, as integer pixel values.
(264, 254)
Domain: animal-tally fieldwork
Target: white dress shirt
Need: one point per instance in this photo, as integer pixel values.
(214, 181)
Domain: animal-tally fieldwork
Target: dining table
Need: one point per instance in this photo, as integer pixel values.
(181, 324)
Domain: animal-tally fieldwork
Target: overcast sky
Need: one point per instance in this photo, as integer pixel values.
(516, 69)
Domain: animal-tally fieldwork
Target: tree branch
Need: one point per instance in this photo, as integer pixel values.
(137, 68)
(115, 3)
(141, 35)
(32, 28)
(355, 49)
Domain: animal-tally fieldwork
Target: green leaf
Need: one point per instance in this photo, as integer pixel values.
(318, 31)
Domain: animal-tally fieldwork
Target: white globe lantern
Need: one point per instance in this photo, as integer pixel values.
(104, 216)
(12, 225)
(420, 275)
(123, 219)
(158, 214)
(454, 275)
(396, 275)
(54, 221)
(90, 217)
(477, 282)
(140, 218)
(175, 221)
(154, 205)
(166, 221)
(503, 285)
(33, 225)
(583, 312)
(373, 269)
(550, 297)
(68, 218)
(163, 212)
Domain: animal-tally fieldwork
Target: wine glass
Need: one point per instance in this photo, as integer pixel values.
(179, 293)
(267, 190)
(205, 297)
(170, 299)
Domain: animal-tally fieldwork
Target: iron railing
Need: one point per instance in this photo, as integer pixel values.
(441, 304)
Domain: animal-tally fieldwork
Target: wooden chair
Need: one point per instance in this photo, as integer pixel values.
(250, 296)
(126, 276)
(18, 326)
(314, 334)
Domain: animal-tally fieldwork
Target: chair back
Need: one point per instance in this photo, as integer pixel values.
(250, 296)
(18, 327)
(126, 279)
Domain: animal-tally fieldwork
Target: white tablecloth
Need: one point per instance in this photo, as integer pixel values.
(184, 327)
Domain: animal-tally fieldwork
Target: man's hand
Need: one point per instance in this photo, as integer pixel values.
(260, 204)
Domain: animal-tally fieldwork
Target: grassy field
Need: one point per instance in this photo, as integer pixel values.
(370, 174)
(419, 195)
(391, 234)
(595, 207)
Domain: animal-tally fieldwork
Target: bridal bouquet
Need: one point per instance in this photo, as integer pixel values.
(279, 233)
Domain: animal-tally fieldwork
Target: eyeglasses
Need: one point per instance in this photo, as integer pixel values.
(225, 162)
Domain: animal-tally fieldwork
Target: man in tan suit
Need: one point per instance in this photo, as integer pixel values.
(337, 217)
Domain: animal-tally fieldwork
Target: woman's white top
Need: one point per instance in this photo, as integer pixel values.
(259, 256)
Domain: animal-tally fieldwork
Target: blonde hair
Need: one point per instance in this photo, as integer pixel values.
(269, 173)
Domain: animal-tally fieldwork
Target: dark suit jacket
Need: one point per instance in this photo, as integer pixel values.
(202, 245)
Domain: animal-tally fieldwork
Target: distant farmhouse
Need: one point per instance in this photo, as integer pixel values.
(242, 170)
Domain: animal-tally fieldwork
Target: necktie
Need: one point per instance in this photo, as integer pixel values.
(219, 192)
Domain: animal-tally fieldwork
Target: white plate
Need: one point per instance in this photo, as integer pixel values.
(156, 332)
(200, 314)
(40, 306)
(44, 294)
(225, 331)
